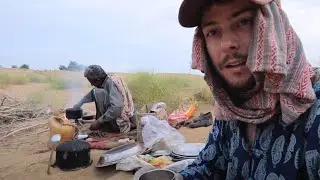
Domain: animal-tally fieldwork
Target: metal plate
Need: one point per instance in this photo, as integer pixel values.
(117, 154)
(181, 159)
(180, 156)
(188, 149)
(160, 153)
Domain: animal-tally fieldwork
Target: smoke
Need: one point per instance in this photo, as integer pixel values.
(77, 86)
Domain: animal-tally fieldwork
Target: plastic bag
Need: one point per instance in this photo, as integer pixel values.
(131, 163)
(155, 130)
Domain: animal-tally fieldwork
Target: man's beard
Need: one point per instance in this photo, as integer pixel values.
(242, 88)
(240, 85)
(241, 93)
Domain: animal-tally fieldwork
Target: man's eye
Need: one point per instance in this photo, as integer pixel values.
(245, 22)
(212, 33)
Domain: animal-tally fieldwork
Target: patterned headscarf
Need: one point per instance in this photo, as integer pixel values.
(275, 52)
(94, 72)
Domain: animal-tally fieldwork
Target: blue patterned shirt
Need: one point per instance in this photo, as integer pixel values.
(279, 151)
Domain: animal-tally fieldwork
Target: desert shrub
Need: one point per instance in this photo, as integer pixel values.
(4, 80)
(57, 83)
(12, 79)
(148, 88)
(14, 66)
(19, 79)
(37, 78)
(35, 97)
(205, 95)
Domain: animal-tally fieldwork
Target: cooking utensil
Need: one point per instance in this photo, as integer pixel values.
(74, 113)
(158, 174)
(54, 140)
(88, 117)
(73, 155)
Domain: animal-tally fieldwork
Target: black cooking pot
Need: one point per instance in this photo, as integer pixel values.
(73, 155)
(74, 113)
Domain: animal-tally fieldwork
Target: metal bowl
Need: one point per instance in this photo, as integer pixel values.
(158, 174)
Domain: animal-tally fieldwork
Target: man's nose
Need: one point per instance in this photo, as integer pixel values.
(230, 43)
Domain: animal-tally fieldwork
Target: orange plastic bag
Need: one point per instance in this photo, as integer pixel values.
(185, 112)
(192, 110)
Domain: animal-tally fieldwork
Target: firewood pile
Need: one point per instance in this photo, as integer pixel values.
(13, 110)
(17, 115)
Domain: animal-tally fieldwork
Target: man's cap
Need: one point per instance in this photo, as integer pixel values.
(191, 10)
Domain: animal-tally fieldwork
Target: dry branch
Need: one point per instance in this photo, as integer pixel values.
(13, 111)
(3, 101)
(22, 129)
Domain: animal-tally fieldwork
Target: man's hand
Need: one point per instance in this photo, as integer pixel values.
(95, 126)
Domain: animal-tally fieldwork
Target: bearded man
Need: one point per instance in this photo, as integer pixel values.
(267, 94)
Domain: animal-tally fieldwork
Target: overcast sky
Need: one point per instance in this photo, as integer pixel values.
(121, 35)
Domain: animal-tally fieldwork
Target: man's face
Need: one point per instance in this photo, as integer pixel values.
(227, 29)
(95, 83)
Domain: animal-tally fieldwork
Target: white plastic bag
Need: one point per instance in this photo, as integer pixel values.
(155, 130)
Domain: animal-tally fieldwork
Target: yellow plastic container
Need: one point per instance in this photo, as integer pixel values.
(63, 127)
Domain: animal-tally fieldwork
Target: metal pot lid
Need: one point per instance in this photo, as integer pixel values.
(188, 149)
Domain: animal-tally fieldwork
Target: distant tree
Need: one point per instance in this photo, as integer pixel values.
(24, 66)
(14, 66)
(63, 68)
(73, 66)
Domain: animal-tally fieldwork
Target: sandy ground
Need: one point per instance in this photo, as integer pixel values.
(25, 156)
(22, 157)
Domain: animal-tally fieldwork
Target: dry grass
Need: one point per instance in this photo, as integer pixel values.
(57, 80)
(146, 88)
